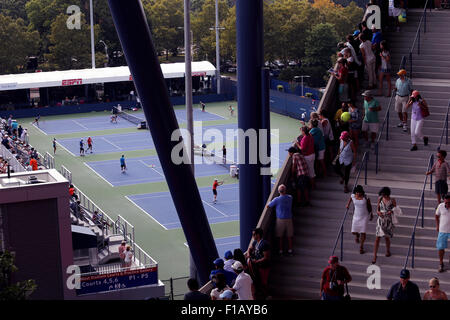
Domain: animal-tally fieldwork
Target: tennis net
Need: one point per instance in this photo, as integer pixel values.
(210, 157)
(129, 117)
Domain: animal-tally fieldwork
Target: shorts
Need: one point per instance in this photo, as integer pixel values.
(387, 70)
(81, 149)
(284, 226)
(122, 166)
(372, 127)
(310, 162)
(89, 146)
(303, 182)
(321, 155)
(215, 192)
(441, 187)
(400, 103)
(442, 239)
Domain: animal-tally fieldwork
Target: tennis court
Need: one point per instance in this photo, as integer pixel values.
(63, 126)
(159, 206)
(225, 244)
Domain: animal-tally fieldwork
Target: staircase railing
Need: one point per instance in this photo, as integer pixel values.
(417, 39)
(363, 163)
(444, 128)
(421, 208)
(385, 124)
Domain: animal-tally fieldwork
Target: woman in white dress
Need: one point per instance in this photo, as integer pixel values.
(361, 216)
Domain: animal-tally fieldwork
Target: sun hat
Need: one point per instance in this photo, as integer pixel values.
(401, 72)
(367, 93)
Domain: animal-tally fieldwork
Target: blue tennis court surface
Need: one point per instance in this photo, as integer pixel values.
(148, 169)
(139, 140)
(159, 206)
(104, 122)
(225, 244)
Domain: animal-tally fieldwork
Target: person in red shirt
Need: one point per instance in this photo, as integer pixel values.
(216, 183)
(334, 277)
(307, 150)
(33, 164)
(89, 142)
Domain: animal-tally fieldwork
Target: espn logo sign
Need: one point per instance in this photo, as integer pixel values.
(72, 82)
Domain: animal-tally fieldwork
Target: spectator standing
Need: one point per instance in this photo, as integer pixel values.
(352, 74)
(377, 37)
(19, 132)
(370, 122)
(229, 276)
(434, 293)
(307, 150)
(228, 261)
(54, 145)
(417, 104)
(369, 59)
(224, 154)
(220, 286)
(385, 224)
(122, 249)
(339, 123)
(301, 175)
(442, 218)
(345, 159)
(81, 147)
(194, 294)
(385, 70)
(319, 146)
(328, 134)
(258, 260)
(238, 255)
(404, 290)
(361, 215)
(244, 283)
(34, 164)
(403, 89)
(341, 75)
(334, 277)
(354, 124)
(284, 224)
(128, 257)
(441, 168)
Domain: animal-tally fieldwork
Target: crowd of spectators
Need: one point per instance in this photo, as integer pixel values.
(15, 139)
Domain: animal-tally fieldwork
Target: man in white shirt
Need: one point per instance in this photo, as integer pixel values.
(443, 227)
(244, 283)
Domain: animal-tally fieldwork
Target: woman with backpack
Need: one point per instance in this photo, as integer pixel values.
(361, 215)
(418, 114)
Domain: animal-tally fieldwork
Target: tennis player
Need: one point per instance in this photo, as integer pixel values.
(123, 166)
(54, 145)
(216, 183)
(81, 147)
(89, 142)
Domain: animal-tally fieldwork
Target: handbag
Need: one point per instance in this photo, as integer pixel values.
(369, 205)
(424, 110)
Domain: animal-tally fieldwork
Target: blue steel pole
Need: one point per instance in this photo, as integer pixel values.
(137, 43)
(250, 60)
(265, 109)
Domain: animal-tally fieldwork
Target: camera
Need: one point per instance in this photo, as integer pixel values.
(333, 286)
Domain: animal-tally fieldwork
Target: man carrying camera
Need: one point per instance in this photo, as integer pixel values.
(334, 277)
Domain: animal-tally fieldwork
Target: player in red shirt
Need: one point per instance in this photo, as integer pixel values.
(89, 142)
(216, 183)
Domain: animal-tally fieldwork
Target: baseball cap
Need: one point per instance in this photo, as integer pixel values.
(401, 72)
(228, 255)
(333, 259)
(415, 93)
(218, 262)
(237, 266)
(356, 33)
(404, 274)
(367, 93)
(227, 294)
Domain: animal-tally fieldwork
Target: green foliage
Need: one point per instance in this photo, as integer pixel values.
(9, 290)
(14, 8)
(320, 45)
(17, 44)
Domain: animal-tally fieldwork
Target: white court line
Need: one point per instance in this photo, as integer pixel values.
(146, 213)
(37, 127)
(141, 161)
(134, 181)
(98, 174)
(226, 216)
(214, 114)
(65, 148)
(81, 125)
(104, 139)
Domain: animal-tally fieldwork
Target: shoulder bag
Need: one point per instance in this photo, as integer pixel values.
(424, 109)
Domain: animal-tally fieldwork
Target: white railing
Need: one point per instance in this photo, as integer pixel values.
(66, 174)
(12, 160)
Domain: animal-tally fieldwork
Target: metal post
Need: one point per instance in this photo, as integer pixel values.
(431, 175)
(217, 49)
(92, 34)
(410, 65)
(387, 126)
(137, 44)
(171, 288)
(418, 45)
(425, 22)
(265, 124)
(188, 79)
(413, 249)
(376, 158)
(342, 243)
(446, 128)
(365, 169)
(423, 207)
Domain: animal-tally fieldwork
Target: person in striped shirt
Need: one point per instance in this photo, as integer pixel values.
(300, 173)
(441, 169)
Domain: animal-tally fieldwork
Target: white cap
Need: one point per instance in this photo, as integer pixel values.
(237, 265)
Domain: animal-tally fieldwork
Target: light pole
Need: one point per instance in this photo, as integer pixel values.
(106, 52)
(92, 34)
(296, 79)
(217, 28)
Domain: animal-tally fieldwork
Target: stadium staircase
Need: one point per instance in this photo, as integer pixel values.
(316, 227)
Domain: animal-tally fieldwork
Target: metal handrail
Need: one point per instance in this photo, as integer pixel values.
(385, 123)
(363, 163)
(421, 208)
(417, 37)
(444, 128)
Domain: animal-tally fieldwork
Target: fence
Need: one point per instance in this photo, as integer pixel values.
(175, 287)
(292, 105)
(12, 160)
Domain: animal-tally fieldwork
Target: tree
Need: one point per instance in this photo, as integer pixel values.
(166, 21)
(17, 44)
(14, 9)
(8, 289)
(71, 49)
(228, 37)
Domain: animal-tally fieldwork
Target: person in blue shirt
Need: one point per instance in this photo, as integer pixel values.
(319, 145)
(284, 224)
(81, 147)
(404, 290)
(123, 166)
(230, 277)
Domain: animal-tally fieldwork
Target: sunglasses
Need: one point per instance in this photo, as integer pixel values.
(432, 287)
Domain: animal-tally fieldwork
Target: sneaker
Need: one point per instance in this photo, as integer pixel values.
(441, 268)
(290, 252)
(425, 141)
(405, 128)
(400, 125)
(414, 148)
